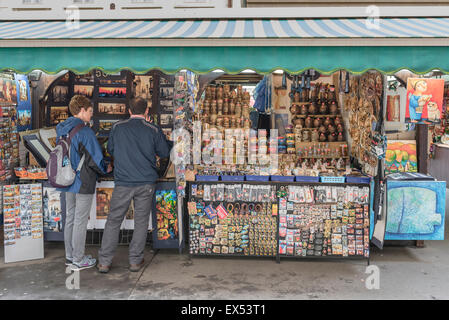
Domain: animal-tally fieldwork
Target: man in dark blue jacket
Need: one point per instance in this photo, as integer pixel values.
(134, 144)
(80, 194)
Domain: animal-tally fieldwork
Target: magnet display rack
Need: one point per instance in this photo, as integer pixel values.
(216, 203)
(277, 256)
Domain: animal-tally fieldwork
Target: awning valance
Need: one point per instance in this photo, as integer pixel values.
(230, 59)
(231, 45)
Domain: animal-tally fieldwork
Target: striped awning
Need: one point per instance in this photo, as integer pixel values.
(229, 29)
(263, 45)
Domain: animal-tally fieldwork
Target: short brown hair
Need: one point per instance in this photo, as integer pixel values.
(138, 106)
(79, 102)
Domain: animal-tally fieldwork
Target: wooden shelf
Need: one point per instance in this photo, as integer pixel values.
(322, 157)
(315, 115)
(301, 103)
(331, 144)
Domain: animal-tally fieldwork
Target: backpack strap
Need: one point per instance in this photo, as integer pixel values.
(69, 140)
(75, 131)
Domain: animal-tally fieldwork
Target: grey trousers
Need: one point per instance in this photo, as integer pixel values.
(120, 202)
(77, 215)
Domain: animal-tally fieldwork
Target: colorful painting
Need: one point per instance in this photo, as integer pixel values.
(52, 210)
(103, 208)
(86, 91)
(424, 100)
(415, 210)
(104, 196)
(23, 90)
(142, 87)
(60, 94)
(58, 114)
(106, 125)
(401, 156)
(23, 103)
(8, 90)
(393, 108)
(167, 214)
(112, 108)
(24, 119)
(112, 92)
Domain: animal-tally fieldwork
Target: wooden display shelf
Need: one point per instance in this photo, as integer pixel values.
(316, 115)
(322, 157)
(301, 103)
(331, 144)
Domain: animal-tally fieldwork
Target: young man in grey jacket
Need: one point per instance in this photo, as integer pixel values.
(134, 144)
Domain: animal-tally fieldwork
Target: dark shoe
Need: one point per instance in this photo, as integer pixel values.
(103, 269)
(136, 267)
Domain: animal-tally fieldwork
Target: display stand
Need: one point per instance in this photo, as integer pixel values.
(23, 229)
(364, 206)
(56, 213)
(167, 226)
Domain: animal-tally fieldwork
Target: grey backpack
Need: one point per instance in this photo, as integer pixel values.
(59, 169)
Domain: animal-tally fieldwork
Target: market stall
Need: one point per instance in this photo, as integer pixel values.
(293, 167)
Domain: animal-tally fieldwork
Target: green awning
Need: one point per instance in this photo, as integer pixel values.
(387, 59)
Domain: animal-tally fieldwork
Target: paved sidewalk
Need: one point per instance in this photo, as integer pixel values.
(405, 273)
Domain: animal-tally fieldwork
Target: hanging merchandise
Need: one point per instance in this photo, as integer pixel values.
(186, 88)
(9, 139)
(364, 105)
(23, 103)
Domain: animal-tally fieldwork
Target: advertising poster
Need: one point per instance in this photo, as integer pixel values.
(424, 100)
(23, 103)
